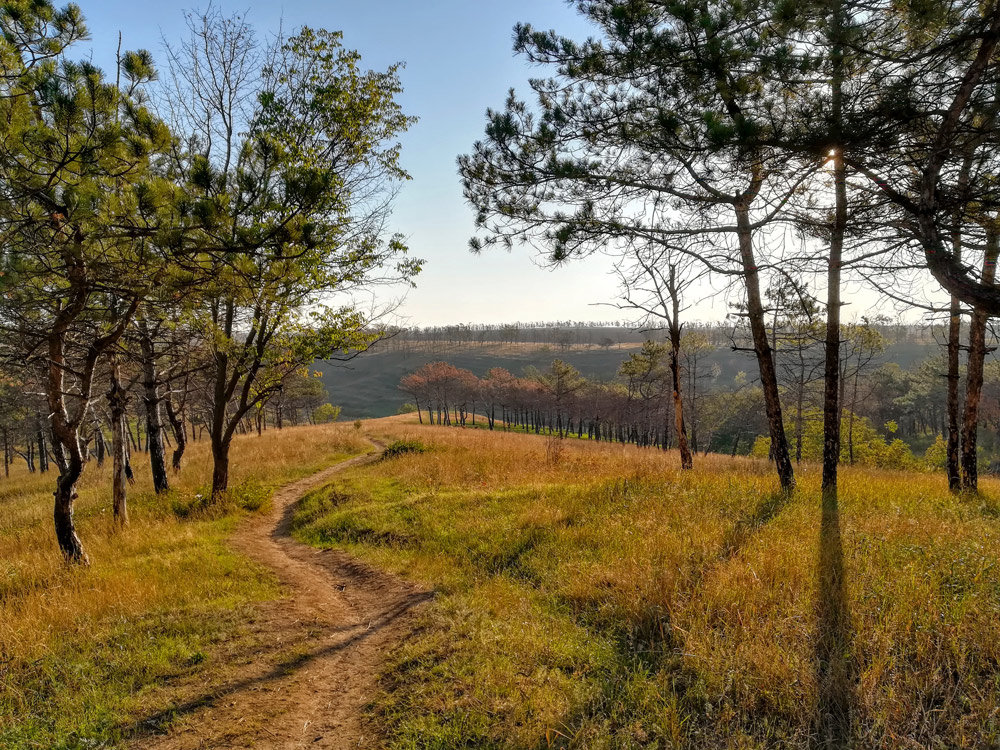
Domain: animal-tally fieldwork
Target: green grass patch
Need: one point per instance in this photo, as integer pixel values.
(401, 447)
(82, 691)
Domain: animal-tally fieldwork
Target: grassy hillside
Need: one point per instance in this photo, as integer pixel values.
(86, 652)
(592, 596)
(368, 385)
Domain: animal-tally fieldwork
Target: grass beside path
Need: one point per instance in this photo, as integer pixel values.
(85, 651)
(593, 596)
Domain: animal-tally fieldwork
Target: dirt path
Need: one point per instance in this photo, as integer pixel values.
(318, 653)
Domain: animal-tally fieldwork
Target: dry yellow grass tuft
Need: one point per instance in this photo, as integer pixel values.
(595, 596)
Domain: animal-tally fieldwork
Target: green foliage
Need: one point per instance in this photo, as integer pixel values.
(407, 408)
(401, 447)
(870, 447)
(326, 413)
(936, 454)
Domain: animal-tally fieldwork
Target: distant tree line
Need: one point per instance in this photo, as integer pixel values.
(893, 416)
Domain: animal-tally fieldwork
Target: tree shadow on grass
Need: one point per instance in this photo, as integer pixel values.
(354, 634)
(650, 643)
(744, 529)
(834, 663)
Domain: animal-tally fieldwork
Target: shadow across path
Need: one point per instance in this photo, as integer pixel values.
(355, 634)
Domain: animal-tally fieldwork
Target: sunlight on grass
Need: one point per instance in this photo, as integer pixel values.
(597, 597)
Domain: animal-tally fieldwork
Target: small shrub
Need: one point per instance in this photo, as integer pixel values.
(248, 496)
(325, 414)
(936, 454)
(401, 447)
(407, 408)
(554, 450)
(357, 424)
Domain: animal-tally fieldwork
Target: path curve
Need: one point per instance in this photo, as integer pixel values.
(326, 643)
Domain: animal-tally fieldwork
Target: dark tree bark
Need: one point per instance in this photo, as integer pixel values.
(43, 456)
(762, 347)
(176, 420)
(100, 446)
(151, 401)
(687, 461)
(832, 395)
(974, 380)
(117, 403)
(831, 369)
(220, 466)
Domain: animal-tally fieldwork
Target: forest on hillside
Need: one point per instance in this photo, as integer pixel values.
(894, 415)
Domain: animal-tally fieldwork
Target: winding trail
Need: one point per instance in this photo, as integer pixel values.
(319, 649)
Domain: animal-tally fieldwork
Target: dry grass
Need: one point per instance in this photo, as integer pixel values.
(79, 645)
(596, 597)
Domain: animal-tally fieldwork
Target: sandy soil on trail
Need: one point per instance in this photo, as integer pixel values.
(320, 650)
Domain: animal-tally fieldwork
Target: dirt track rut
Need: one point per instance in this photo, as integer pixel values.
(324, 644)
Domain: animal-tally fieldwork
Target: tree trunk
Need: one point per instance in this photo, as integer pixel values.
(974, 379)
(687, 461)
(220, 466)
(117, 402)
(65, 497)
(99, 445)
(151, 401)
(831, 369)
(762, 348)
(180, 435)
(43, 456)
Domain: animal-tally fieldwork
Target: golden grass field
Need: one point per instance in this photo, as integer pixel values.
(587, 596)
(593, 596)
(82, 648)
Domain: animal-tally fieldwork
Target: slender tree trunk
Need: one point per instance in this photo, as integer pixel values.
(180, 435)
(65, 432)
(687, 461)
(65, 497)
(831, 370)
(762, 348)
(131, 436)
(99, 445)
(974, 379)
(117, 403)
(151, 401)
(43, 456)
(220, 465)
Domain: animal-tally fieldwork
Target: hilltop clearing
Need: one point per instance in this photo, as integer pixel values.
(593, 596)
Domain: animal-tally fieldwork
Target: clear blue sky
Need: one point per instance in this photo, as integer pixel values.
(458, 62)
